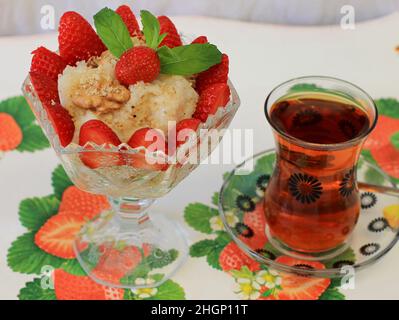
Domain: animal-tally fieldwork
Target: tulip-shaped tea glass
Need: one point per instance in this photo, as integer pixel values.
(124, 246)
(312, 200)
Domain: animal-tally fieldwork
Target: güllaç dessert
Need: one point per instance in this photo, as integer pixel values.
(112, 86)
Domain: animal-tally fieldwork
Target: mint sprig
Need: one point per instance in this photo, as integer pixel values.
(189, 59)
(113, 31)
(151, 29)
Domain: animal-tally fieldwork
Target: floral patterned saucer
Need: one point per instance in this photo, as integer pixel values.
(377, 230)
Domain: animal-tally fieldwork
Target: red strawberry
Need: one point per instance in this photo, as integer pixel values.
(216, 74)
(71, 287)
(46, 88)
(138, 64)
(153, 140)
(77, 39)
(215, 96)
(86, 204)
(233, 258)
(57, 235)
(98, 132)
(298, 287)
(186, 124)
(10, 133)
(257, 222)
(47, 62)
(126, 260)
(201, 40)
(129, 19)
(173, 38)
(62, 123)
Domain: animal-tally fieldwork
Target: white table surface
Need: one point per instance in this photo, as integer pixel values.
(261, 56)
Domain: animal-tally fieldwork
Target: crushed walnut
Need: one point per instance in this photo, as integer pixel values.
(100, 96)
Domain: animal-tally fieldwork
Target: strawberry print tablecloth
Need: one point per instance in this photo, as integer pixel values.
(35, 192)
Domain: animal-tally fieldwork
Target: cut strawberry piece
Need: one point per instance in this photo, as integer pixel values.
(257, 222)
(46, 89)
(117, 263)
(233, 258)
(97, 132)
(10, 133)
(47, 62)
(153, 140)
(77, 39)
(200, 40)
(129, 19)
(71, 287)
(173, 38)
(215, 96)
(299, 287)
(57, 235)
(138, 64)
(216, 74)
(185, 128)
(88, 205)
(62, 123)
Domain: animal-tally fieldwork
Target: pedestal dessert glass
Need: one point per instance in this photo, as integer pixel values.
(125, 246)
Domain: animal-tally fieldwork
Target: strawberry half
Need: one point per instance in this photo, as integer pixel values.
(173, 38)
(10, 133)
(71, 287)
(88, 205)
(99, 133)
(129, 19)
(215, 96)
(47, 62)
(151, 139)
(62, 123)
(184, 128)
(46, 88)
(233, 258)
(200, 40)
(298, 287)
(216, 74)
(57, 235)
(77, 39)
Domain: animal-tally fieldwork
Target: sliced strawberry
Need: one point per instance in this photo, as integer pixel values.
(71, 287)
(129, 19)
(46, 88)
(97, 132)
(77, 39)
(47, 62)
(215, 96)
(57, 235)
(173, 38)
(233, 258)
(200, 40)
(10, 132)
(117, 263)
(185, 128)
(257, 222)
(299, 287)
(216, 74)
(88, 205)
(62, 123)
(153, 140)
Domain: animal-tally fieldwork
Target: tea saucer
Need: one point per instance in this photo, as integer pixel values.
(377, 230)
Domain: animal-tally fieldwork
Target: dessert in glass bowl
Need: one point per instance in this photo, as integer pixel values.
(125, 108)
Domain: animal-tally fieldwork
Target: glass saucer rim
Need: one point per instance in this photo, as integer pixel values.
(322, 273)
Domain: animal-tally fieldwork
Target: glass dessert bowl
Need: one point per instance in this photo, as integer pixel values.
(124, 245)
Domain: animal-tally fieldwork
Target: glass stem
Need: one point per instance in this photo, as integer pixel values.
(131, 210)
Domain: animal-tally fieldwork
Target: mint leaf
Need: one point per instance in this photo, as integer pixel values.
(34, 291)
(113, 31)
(25, 257)
(197, 215)
(151, 29)
(33, 139)
(189, 59)
(60, 181)
(395, 139)
(34, 212)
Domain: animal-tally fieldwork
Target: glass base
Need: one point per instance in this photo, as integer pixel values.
(123, 252)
